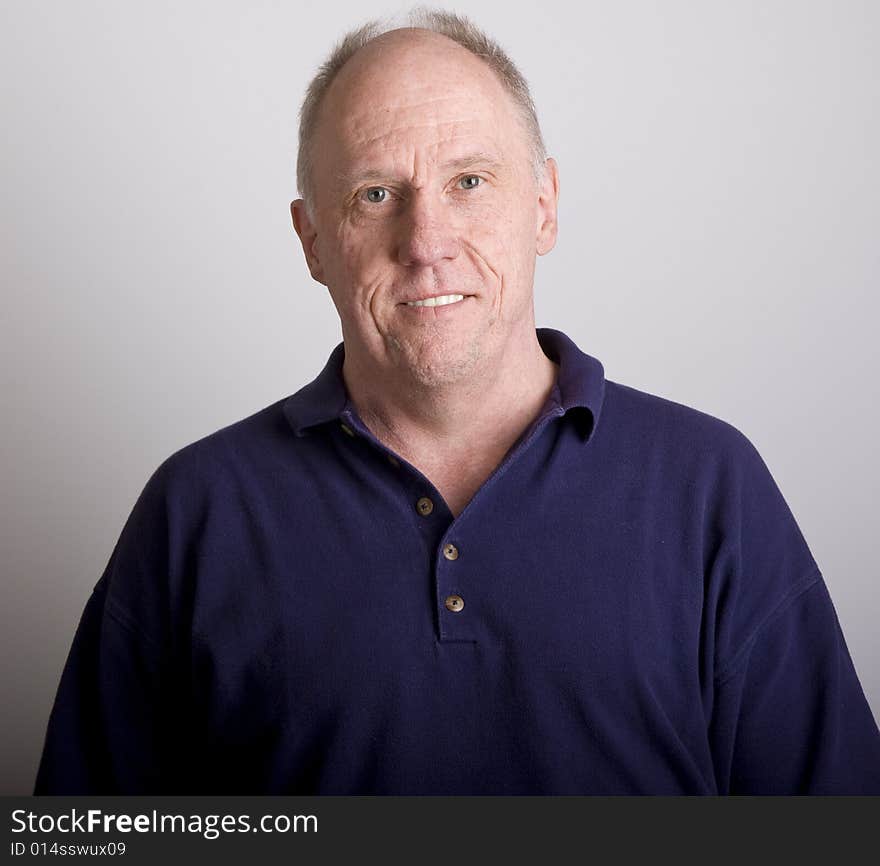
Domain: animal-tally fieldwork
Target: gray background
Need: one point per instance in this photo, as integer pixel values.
(718, 246)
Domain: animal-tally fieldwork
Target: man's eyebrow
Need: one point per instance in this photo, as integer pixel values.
(470, 160)
(478, 158)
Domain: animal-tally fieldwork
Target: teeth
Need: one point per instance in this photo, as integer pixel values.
(436, 302)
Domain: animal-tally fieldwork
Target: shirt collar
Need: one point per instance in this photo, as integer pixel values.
(580, 387)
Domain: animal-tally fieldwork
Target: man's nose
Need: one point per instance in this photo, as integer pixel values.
(427, 231)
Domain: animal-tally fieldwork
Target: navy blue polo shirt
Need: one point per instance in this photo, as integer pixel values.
(626, 606)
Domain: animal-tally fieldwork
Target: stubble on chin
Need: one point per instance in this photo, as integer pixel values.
(432, 368)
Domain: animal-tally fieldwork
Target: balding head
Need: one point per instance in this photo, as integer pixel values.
(427, 24)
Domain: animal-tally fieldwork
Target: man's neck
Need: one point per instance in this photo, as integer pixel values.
(477, 421)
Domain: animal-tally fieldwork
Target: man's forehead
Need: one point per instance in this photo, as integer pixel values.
(433, 130)
(401, 118)
(433, 123)
(433, 134)
(448, 107)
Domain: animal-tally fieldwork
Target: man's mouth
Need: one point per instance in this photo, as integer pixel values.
(436, 301)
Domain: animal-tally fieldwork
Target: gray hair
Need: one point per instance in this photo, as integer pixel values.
(455, 27)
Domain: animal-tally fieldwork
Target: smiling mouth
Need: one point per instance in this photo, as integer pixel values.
(436, 301)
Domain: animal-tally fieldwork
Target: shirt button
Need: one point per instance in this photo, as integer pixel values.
(347, 429)
(424, 506)
(454, 603)
(450, 551)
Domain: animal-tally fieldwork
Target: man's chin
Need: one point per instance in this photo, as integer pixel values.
(443, 370)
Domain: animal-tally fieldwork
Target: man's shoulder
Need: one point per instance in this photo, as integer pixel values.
(635, 416)
(241, 445)
(714, 471)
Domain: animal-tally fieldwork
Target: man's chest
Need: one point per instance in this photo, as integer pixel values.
(371, 621)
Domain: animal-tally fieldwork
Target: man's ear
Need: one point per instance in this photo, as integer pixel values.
(548, 198)
(308, 236)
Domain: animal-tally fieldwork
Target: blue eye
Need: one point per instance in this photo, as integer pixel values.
(469, 177)
(376, 189)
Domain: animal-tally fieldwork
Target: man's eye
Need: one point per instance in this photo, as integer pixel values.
(376, 194)
(471, 181)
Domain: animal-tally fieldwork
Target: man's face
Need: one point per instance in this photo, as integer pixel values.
(424, 188)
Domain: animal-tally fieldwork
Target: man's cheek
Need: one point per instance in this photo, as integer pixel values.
(493, 254)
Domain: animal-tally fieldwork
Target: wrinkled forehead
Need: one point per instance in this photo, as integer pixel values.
(430, 128)
(411, 104)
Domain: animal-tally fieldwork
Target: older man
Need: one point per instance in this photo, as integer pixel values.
(460, 560)
(430, 198)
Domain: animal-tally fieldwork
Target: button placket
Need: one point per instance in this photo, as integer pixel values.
(455, 624)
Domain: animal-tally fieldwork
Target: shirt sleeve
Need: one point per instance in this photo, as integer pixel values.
(118, 721)
(785, 711)
(791, 715)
